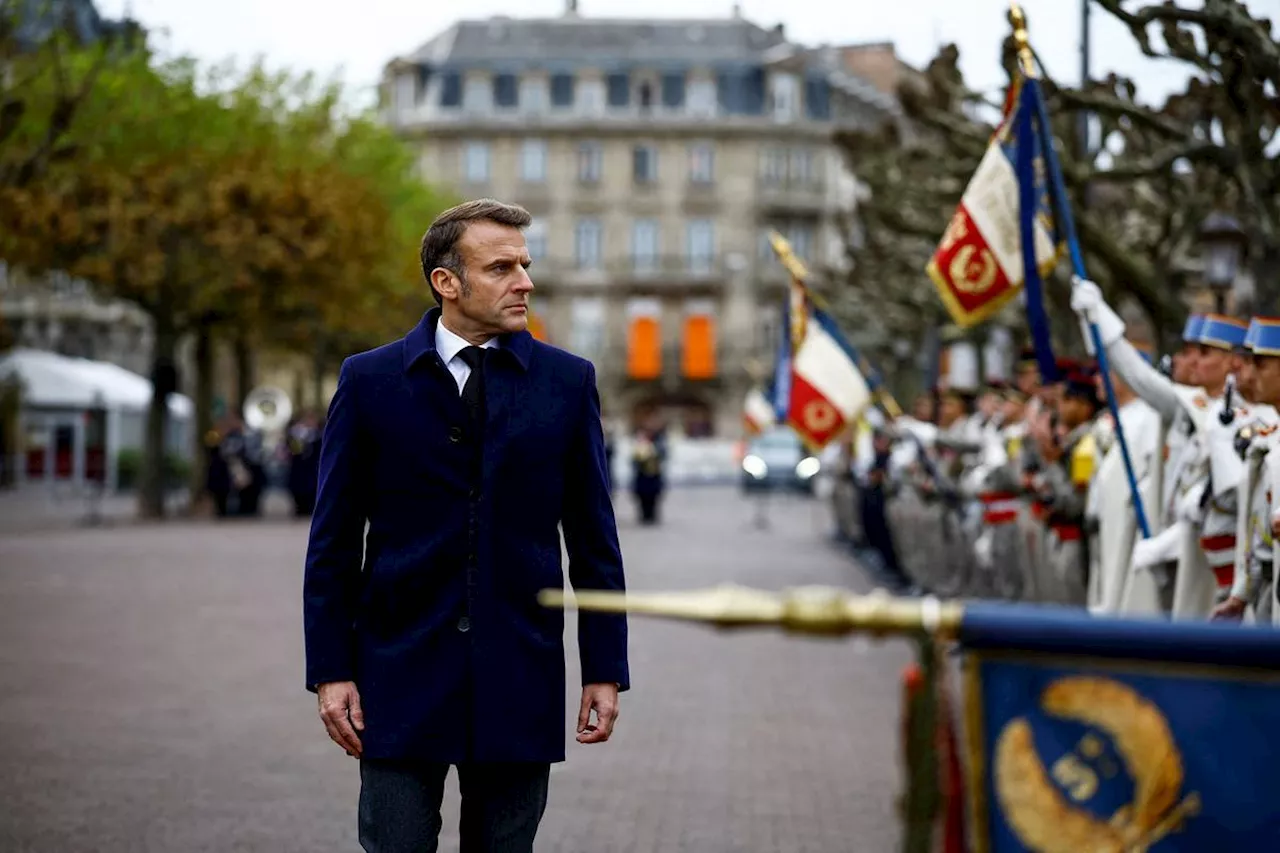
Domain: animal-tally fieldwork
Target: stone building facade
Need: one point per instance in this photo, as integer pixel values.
(655, 156)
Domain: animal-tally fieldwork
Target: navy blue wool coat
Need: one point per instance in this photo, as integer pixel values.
(432, 610)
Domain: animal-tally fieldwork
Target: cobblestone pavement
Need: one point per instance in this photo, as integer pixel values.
(153, 700)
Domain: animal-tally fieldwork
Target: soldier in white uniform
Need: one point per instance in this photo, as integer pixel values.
(1254, 437)
(1197, 530)
(1110, 516)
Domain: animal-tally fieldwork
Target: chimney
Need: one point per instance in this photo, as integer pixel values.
(737, 11)
(780, 30)
(571, 8)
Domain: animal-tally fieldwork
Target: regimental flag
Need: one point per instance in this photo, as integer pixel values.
(757, 412)
(979, 265)
(827, 390)
(1090, 733)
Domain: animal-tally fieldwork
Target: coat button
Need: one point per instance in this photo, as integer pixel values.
(455, 434)
(464, 624)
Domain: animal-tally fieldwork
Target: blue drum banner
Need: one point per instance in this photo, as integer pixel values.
(1094, 734)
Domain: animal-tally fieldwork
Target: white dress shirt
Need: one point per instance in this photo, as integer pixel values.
(448, 345)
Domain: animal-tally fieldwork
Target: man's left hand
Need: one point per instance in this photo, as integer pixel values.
(603, 699)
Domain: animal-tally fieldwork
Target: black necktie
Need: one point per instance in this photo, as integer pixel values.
(473, 390)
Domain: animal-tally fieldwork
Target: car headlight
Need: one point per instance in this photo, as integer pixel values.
(807, 467)
(755, 466)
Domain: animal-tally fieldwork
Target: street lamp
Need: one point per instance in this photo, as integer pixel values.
(1224, 241)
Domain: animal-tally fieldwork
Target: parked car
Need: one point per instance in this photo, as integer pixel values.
(778, 460)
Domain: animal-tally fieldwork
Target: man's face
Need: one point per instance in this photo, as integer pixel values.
(1184, 364)
(1073, 411)
(1212, 367)
(1011, 410)
(493, 295)
(1028, 380)
(989, 404)
(951, 411)
(1247, 379)
(1266, 379)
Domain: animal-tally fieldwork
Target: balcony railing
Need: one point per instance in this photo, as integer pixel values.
(794, 195)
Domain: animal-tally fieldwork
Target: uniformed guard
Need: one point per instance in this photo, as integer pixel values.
(1111, 520)
(1213, 501)
(1064, 483)
(1185, 409)
(1253, 438)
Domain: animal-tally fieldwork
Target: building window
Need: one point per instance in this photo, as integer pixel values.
(646, 96)
(587, 327)
(619, 90)
(673, 91)
(644, 245)
(701, 245)
(477, 95)
(406, 96)
(587, 244)
(535, 238)
(644, 339)
(475, 162)
(784, 96)
(702, 163)
(764, 247)
(702, 97)
(773, 166)
(533, 161)
(533, 95)
(644, 167)
(562, 90)
(590, 162)
(698, 349)
(451, 90)
(800, 236)
(802, 171)
(591, 97)
(505, 91)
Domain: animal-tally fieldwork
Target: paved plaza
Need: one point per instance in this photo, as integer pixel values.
(153, 701)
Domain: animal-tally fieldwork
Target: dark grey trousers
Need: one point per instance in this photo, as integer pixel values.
(502, 805)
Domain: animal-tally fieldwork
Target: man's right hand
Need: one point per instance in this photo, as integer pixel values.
(340, 711)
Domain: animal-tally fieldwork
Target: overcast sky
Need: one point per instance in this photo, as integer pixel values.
(357, 37)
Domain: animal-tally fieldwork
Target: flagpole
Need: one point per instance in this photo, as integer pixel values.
(1026, 59)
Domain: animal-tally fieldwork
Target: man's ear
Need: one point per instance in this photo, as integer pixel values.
(445, 283)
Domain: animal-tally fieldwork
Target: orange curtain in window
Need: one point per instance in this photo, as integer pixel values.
(644, 348)
(699, 347)
(536, 327)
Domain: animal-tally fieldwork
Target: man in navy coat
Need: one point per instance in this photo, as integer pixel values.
(452, 458)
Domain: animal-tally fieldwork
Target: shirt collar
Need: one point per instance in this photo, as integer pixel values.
(448, 344)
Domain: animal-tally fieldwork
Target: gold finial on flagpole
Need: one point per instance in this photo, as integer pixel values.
(1026, 59)
(782, 248)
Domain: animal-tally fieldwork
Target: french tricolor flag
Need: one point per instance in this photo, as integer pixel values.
(828, 391)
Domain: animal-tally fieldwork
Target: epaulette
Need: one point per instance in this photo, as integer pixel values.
(1264, 431)
(1200, 402)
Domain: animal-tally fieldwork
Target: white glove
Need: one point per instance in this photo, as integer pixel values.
(1189, 505)
(1158, 549)
(1087, 301)
(1224, 462)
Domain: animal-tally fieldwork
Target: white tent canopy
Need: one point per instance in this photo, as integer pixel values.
(51, 380)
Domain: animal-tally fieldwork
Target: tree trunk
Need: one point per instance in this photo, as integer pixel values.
(245, 370)
(164, 379)
(203, 412)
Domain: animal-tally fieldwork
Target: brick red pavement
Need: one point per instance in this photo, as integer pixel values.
(152, 701)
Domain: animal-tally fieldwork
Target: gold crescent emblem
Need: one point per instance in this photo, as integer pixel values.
(973, 276)
(1036, 809)
(957, 229)
(819, 415)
